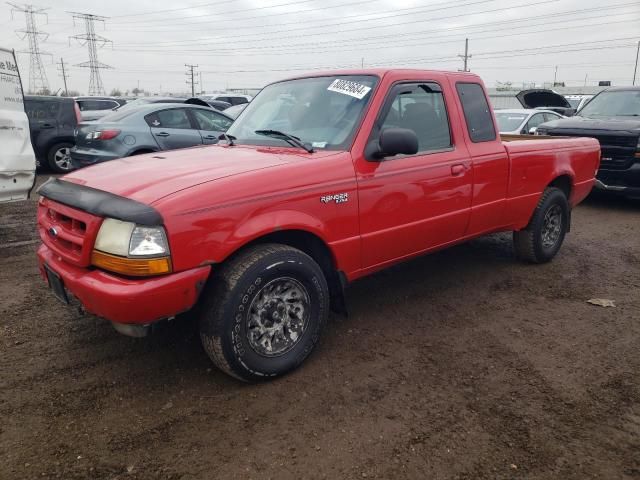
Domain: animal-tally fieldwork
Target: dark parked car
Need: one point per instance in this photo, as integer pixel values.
(146, 129)
(52, 121)
(218, 104)
(613, 117)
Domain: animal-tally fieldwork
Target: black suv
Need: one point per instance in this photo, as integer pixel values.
(613, 117)
(52, 121)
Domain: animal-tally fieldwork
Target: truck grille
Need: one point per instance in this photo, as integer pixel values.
(618, 151)
(68, 232)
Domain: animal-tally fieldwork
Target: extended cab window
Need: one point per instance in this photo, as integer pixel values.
(476, 112)
(421, 108)
(174, 118)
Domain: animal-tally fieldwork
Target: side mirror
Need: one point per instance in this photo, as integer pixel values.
(533, 130)
(393, 141)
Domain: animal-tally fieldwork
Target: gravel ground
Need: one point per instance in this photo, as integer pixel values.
(463, 364)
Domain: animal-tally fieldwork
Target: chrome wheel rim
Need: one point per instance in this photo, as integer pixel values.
(551, 226)
(278, 317)
(62, 157)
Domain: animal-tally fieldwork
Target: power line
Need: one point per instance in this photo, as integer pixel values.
(38, 81)
(93, 42)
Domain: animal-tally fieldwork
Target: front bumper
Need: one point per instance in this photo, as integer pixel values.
(124, 300)
(625, 182)
(83, 157)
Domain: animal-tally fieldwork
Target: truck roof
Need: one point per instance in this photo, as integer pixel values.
(381, 72)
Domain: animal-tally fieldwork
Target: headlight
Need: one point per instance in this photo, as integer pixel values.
(124, 247)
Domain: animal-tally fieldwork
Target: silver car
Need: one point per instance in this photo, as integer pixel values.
(520, 121)
(146, 129)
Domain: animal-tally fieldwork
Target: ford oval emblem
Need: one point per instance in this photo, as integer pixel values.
(53, 232)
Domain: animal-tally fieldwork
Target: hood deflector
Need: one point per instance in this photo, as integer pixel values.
(99, 202)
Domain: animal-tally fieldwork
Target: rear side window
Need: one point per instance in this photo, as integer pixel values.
(476, 112)
(174, 118)
(238, 100)
(42, 109)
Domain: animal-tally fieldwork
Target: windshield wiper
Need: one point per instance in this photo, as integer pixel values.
(228, 138)
(291, 139)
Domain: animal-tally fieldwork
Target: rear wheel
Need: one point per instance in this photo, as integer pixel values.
(543, 237)
(59, 157)
(264, 311)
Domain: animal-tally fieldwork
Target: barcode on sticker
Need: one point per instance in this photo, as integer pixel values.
(347, 87)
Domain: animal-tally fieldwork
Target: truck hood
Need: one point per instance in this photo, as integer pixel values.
(148, 178)
(628, 125)
(541, 97)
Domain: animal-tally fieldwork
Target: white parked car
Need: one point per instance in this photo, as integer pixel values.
(578, 101)
(521, 121)
(17, 160)
(232, 98)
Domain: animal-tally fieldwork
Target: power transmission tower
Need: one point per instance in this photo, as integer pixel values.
(191, 78)
(63, 72)
(93, 42)
(37, 75)
(466, 56)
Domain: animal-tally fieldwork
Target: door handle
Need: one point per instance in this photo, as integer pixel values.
(457, 170)
(162, 134)
(46, 125)
(211, 137)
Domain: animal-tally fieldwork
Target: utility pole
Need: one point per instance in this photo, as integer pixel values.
(466, 56)
(191, 78)
(37, 75)
(635, 69)
(201, 84)
(362, 62)
(64, 76)
(555, 76)
(93, 42)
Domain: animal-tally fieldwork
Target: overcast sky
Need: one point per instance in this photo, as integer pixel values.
(248, 43)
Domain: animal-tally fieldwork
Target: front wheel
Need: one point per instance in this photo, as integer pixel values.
(543, 237)
(59, 157)
(263, 313)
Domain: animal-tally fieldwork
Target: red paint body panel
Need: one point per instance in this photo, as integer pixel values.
(216, 199)
(124, 300)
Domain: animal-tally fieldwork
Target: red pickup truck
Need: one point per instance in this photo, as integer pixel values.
(321, 180)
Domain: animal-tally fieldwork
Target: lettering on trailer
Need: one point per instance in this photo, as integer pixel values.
(346, 87)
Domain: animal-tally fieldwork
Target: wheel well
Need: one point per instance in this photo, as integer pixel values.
(317, 249)
(563, 182)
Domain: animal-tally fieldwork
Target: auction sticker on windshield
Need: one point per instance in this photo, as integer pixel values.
(347, 87)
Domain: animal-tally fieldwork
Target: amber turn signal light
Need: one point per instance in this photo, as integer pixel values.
(135, 267)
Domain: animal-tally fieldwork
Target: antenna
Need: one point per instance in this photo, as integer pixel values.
(38, 82)
(93, 42)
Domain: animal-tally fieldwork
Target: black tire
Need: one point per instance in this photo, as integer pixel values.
(543, 237)
(58, 157)
(241, 303)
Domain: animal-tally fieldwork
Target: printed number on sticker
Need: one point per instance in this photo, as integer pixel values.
(347, 87)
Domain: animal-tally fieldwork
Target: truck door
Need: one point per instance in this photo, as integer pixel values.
(411, 203)
(172, 128)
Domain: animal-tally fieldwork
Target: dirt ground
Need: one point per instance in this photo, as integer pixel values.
(464, 364)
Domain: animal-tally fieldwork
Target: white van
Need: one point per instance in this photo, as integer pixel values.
(17, 160)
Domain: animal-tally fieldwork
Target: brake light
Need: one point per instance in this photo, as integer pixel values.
(103, 134)
(76, 109)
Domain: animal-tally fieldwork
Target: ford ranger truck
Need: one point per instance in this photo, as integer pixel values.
(321, 180)
(613, 118)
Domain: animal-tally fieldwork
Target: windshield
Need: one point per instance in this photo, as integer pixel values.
(322, 112)
(623, 103)
(508, 122)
